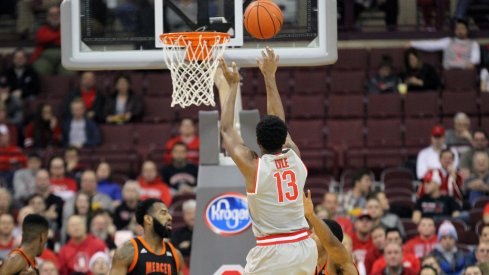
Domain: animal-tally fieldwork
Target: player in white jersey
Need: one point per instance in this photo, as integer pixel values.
(274, 182)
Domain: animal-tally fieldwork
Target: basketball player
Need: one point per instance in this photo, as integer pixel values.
(149, 254)
(274, 182)
(333, 258)
(22, 260)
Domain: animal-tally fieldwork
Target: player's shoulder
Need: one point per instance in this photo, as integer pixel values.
(126, 252)
(14, 263)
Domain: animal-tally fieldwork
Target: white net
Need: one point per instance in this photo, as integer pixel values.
(193, 60)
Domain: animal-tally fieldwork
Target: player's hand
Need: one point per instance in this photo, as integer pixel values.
(268, 66)
(308, 205)
(231, 76)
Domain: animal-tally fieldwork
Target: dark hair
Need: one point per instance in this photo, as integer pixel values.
(358, 175)
(393, 229)
(480, 130)
(428, 267)
(34, 154)
(378, 227)
(386, 61)
(428, 218)
(335, 228)
(19, 50)
(374, 195)
(179, 144)
(447, 151)
(143, 208)
(122, 76)
(33, 226)
(42, 133)
(407, 53)
(460, 21)
(271, 133)
(31, 197)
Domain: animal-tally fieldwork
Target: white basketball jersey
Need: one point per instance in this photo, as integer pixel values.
(276, 204)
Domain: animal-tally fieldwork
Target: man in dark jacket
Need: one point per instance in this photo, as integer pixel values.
(80, 131)
(88, 92)
(21, 76)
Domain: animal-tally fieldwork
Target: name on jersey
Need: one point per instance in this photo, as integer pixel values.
(153, 267)
(281, 163)
(227, 214)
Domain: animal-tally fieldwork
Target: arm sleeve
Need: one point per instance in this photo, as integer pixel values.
(431, 45)
(475, 55)
(19, 186)
(421, 166)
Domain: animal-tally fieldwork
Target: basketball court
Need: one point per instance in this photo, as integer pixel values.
(141, 37)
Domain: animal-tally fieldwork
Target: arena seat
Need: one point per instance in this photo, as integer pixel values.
(384, 133)
(55, 86)
(418, 131)
(346, 106)
(352, 59)
(422, 105)
(394, 173)
(158, 84)
(453, 102)
(484, 103)
(345, 133)
(348, 82)
(308, 81)
(307, 133)
(384, 105)
(307, 106)
(157, 109)
(459, 80)
(117, 136)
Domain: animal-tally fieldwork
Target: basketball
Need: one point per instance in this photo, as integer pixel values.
(263, 19)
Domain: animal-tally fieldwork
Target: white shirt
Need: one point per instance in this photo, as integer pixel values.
(485, 77)
(428, 159)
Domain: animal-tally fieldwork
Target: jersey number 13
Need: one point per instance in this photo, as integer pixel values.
(291, 191)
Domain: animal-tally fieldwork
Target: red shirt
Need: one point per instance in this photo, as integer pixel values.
(55, 135)
(46, 37)
(192, 149)
(12, 158)
(156, 189)
(75, 257)
(49, 255)
(64, 187)
(409, 261)
(360, 247)
(345, 224)
(372, 255)
(420, 247)
(405, 271)
(88, 97)
(449, 186)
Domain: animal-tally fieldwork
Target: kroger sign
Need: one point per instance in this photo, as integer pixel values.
(227, 214)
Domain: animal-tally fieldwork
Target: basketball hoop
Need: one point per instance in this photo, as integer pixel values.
(192, 58)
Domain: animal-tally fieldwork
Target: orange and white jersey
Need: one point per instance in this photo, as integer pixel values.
(276, 205)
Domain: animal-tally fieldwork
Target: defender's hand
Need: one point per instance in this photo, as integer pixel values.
(231, 76)
(270, 62)
(308, 205)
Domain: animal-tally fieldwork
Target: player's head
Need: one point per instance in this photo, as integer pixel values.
(153, 215)
(271, 133)
(35, 230)
(335, 228)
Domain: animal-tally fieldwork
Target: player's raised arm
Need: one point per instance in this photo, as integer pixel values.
(123, 258)
(337, 252)
(233, 143)
(268, 67)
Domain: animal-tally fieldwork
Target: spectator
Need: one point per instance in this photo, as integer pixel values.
(12, 103)
(180, 174)
(21, 77)
(429, 157)
(99, 264)
(418, 75)
(12, 129)
(61, 185)
(124, 213)
(482, 256)
(427, 9)
(356, 197)
(422, 244)
(484, 232)
(382, 198)
(74, 169)
(90, 95)
(36, 202)
(11, 158)
(81, 207)
(124, 105)
(80, 131)
(104, 183)
(472, 270)
(431, 261)
(5, 201)
(479, 143)
(7, 239)
(187, 135)
(25, 179)
(151, 184)
(182, 238)
(44, 131)
(387, 220)
(451, 259)
(385, 81)
(88, 185)
(477, 185)
(460, 135)
(101, 227)
(26, 14)
(48, 268)
(75, 255)
(427, 270)
(447, 177)
(330, 203)
(47, 55)
(459, 52)
(434, 204)
(54, 204)
(361, 236)
(394, 261)
(379, 242)
(410, 261)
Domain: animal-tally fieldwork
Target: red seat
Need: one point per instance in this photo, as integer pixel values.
(159, 84)
(484, 103)
(307, 133)
(475, 215)
(425, 104)
(384, 133)
(384, 105)
(307, 106)
(193, 111)
(459, 102)
(157, 109)
(310, 81)
(125, 162)
(346, 106)
(432, 58)
(345, 133)
(485, 123)
(137, 82)
(348, 82)
(394, 173)
(398, 192)
(405, 184)
(283, 78)
(55, 86)
(418, 131)
(260, 103)
(374, 158)
(397, 55)
(351, 59)
(401, 206)
(153, 135)
(117, 136)
(459, 80)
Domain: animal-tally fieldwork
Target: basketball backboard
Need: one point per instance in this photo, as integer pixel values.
(124, 34)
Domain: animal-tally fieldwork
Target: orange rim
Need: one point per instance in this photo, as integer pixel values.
(209, 37)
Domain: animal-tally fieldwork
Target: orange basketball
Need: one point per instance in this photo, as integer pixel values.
(263, 19)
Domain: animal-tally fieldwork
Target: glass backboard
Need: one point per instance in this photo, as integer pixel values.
(124, 34)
